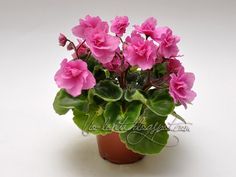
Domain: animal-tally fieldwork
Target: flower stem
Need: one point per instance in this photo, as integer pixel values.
(120, 39)
(74, 47)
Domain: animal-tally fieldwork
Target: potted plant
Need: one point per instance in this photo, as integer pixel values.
(122, 90)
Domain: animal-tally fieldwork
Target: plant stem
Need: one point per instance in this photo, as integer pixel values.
(80, 45)
(120, 39)
(122, 79)
(74, 47)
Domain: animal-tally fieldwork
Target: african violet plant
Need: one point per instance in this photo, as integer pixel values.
(123, 86)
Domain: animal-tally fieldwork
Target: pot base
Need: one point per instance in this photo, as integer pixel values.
(112, 149)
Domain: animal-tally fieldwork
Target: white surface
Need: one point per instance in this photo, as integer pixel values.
(35, 142)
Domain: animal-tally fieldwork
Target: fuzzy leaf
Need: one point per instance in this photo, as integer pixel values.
(64, 102)
(160, 102)
(131, 95)
(120, 120)
(91, 121)
(108, 91)
(146, 139)
(160, 69)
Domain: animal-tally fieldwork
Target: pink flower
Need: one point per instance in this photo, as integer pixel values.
(174, 65)
(62, 40)
(87, 24)
(140, 52)
(115, 65)
(148, 27)
(180, 87)
(74, 76)
(102, 45)
(168, 42)
(119, 25)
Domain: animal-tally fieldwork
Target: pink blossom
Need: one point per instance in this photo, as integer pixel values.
(140, 52)
(174, 65)
(115, 65)
(87, 24)
(62, 40)
(119, 25)
(102, 45)
(148, 27)
(180, 87)
(168, 42)
(74, 76)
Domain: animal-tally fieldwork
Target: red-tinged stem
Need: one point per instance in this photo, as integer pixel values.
(119, 55)
(74, 47)
(80, 45)
(120, 39)
(123, 74)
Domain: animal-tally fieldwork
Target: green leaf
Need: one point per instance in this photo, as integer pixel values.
(150, 118)
(91, 121)
(160, 69)
(92, 62)
(146, 139)
(160, 102)
(120, 120)
(108, 91)
(131, 95)
(99, 73)
(56, 104)
(93, 99)
(178, 116)
(64, 102)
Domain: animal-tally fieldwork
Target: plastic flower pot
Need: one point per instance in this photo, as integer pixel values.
(112, 149)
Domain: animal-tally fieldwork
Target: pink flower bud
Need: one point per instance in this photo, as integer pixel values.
(62, 40)
(70, 46)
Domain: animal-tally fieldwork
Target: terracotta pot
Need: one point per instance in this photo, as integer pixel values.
(112, 149)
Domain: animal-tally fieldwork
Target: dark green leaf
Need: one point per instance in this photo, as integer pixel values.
(108, 91)
(150, 118)
(146, 139)
(120, 120)
(160, 102)
(131, 95)
(160, 70)
(91, 121)
(64, 102)
(99, 73)
(92, 62)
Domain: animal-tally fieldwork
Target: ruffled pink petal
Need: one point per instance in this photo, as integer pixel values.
(76, 90)
(90, 81)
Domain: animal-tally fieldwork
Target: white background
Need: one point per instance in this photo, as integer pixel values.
(35, 142)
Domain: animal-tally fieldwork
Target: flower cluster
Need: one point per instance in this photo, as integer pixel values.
(151, 48)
